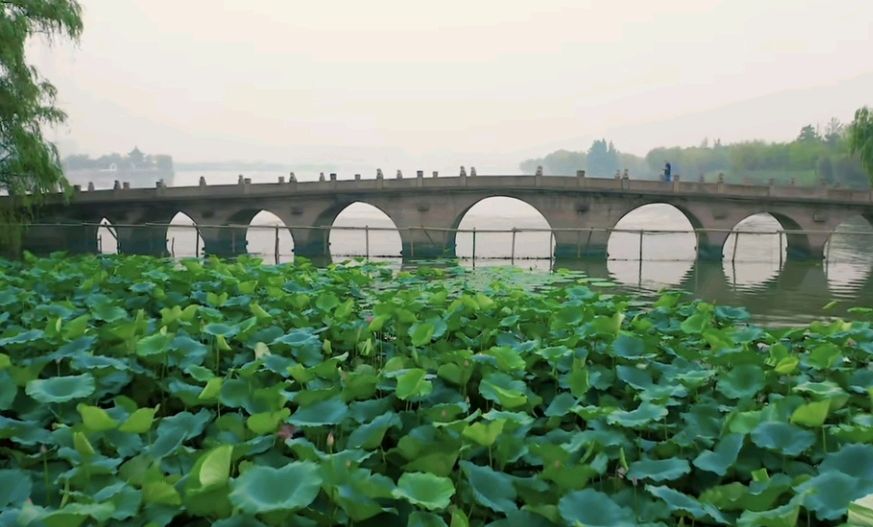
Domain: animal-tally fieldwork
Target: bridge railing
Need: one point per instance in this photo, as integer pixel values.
(192, 242)
(580, 182)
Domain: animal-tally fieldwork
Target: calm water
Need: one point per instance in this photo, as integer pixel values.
(755, 272)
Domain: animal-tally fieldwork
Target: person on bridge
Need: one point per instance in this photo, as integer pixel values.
(668, 172)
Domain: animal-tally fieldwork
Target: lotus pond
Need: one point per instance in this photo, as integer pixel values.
(139, 391)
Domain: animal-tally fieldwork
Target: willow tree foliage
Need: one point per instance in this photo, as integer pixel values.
(29, 164)
(861, 138)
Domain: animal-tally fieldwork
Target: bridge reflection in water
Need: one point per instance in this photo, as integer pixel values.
(755, 272)
(714, 242)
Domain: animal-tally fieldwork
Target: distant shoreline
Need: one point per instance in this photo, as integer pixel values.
(257, 167)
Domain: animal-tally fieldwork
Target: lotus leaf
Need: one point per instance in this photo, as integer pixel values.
(504, 390)
(61, 389)
(413, 384)
(96, 419)
(263, 489)
(722, 457)
(484, 434)
(782, 437)
(659, 469)
(327, 412)
(830, 493)
(425, 490)
(593, 509)
(491, 489)
(742, 382)
(148, 391)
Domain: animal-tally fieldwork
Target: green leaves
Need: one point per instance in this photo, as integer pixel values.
(659, 469)
(425, 490)
(629, 347)
(413, 384)
(741, 382)
(15, 486)
(139, 422)
(267, 422)
(263, 489)
(722, 457)
(829, 494)
(593, 509)
(96, 419)
(328, 412)
(214, 467)
(853, 460)
(642, 416)
(491, 489)
(811, 414)
(484, 434)
(369, 436)
(504, 390)
(782, 437)
(292, 394)
(153, 345)
(61, 389)
(683, 503)
(421, 333)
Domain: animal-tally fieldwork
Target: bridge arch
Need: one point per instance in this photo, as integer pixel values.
(107, 237)
(360, 228)
(268, 237)
(848, 254)
(655, 246)
(503, 212)
(794, 242)
(183, 237)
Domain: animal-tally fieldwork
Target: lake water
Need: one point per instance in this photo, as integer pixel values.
(755, 272)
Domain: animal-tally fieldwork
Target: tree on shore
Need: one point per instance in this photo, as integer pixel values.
(861, 138)
(29, 164)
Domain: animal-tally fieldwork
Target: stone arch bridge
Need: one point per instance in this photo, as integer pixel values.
(427, 209)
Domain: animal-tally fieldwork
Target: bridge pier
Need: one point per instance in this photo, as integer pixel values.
(710, 245)
(72, 238)
(150, 240)
(591, 244)
(311, 243)
(224, 242)
(417, 243)
(807, 246)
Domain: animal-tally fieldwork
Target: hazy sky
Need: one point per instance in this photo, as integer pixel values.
(437, 84)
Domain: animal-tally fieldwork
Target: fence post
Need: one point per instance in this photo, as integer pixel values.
(474, 246)
(588, 241)
(173, 246)
(641, 245)
(827, 249)
(513, 246)
(734, 255)
(100, 244)
(367, 241)
(780, 249)
(551, 249)
(276, 245)
(197, 243)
